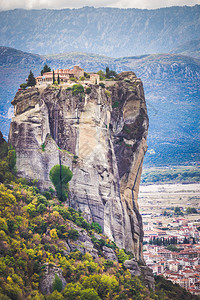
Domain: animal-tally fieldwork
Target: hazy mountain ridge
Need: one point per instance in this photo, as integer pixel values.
(171, 84)
(109, 31)
(191, 48)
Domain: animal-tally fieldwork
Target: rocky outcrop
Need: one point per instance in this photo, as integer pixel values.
(101, 136)
(46, 283)
(142, 270)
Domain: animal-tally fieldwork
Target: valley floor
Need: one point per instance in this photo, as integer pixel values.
(171, 220)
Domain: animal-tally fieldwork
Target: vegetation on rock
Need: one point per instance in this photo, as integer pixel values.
(77, 89)
(36, 232)
(31, 79)
(45, 69)
(60, 176)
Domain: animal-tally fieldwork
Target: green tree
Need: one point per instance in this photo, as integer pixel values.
(11, 159)
(107, 72)
(31, 79)
(6, 198)
(58, 79)
(88, 90)
(96, 227)
(73, 234)
(60, 176)
(86, 75)
(101, 74)
(23, 86)
(110, 73)
(53, 77)
(122, 256)
(89, 294)
(77, 89)
(31, 209)
(191, 210)
(72, 291)
(57, 284)
(45, 69)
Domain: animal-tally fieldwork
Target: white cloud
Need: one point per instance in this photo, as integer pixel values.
(37, 4)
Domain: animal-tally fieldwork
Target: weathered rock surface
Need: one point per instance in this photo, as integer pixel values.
(107, 130)
(144, 271)
(133, 267)
(109, 253)
(46, 284)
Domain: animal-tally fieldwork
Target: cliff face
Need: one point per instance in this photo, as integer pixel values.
(101, 136)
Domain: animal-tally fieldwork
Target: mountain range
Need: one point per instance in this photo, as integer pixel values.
(109, 31)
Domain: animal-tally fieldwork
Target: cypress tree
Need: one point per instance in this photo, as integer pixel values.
(31, 79)
(107, 72)
(53, 77)
(58, 79)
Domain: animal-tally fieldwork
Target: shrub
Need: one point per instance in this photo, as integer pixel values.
(73, 79)
(54, 296)
(122, 256)
(108, 264)
(31, 209)
(11, 159)
(53, 234)
(89, 294)
(13, 291)
(47, 195)
(42, 199)
(102, 84)
(88, 90)
(73, 234)
(86, 75)
(68, 88)
(41, 208)
(60, 176)
(23, 86)
(115, 104)
(72, 291)
(101, 74)
(77, 89)
(96, 227)
(57, 284)
(82, 78)
(107, 93)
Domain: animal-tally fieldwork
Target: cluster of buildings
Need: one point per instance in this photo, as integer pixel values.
(181, 266)
(179, 228)
(65, 75)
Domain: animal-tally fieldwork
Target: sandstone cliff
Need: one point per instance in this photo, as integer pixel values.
(101, 136)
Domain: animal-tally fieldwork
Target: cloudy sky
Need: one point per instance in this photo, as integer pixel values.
(150, 4)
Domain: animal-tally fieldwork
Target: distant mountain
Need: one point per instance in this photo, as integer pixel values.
(191, 48)
(171, 84)
(109, 31)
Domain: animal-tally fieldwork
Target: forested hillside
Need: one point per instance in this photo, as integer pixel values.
(48, 248)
